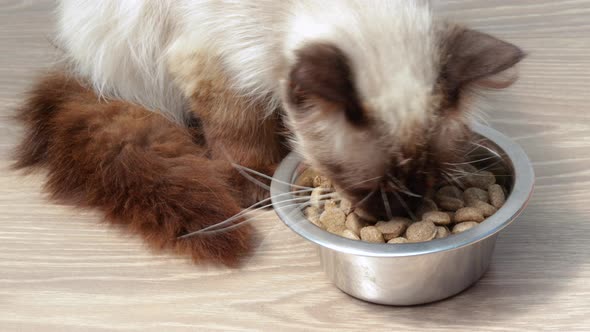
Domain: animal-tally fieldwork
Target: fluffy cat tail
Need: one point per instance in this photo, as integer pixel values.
(139, 169)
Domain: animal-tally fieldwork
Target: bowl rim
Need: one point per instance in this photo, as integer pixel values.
(292, 216)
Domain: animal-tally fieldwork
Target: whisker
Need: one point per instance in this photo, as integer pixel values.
(479, 155)
(362, 182)
(458, 171)
(477, 145)
(244, 168)
(238, 215)
(404, 205)
(480, 170)
(396, 184)
(394, 180)
(249, 209)
(492, 151)
(366, 198)
(409, 193)
(369, 194)
(452, 179)
(245, 210)
(386, 203)
(244, 174)
(250, 219)
(491, 165)
(471, 161)
(258, 217)
(465, 173)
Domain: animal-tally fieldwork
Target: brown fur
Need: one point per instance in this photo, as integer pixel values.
(470, 56)
(236, 127)
(323, 74)
(136, 167)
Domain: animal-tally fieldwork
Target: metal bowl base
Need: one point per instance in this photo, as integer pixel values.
(410, 280)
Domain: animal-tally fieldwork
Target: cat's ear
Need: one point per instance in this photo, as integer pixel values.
(321, 80)
(471, 56)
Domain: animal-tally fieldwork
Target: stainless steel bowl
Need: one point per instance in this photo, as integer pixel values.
(414, 273)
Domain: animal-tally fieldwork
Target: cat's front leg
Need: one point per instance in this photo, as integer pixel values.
(238, 129)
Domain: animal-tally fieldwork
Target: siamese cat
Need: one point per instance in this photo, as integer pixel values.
(159, 100)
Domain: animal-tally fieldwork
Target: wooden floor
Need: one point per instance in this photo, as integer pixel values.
(62, 270)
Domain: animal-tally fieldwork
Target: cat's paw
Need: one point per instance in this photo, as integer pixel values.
(250, 194)
(193, 212)
(250, 189)
(230, 248)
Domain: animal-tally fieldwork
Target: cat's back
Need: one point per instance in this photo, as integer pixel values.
(122, 46)
(117, 45)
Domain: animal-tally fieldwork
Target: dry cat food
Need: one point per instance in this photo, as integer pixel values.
(450, 211)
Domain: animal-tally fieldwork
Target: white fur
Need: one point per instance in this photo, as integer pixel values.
(391, 46)
(118, 46)
(124, 47)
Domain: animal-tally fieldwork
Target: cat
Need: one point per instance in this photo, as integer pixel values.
(365, 91)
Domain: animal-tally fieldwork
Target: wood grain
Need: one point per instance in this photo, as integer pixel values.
(63, 270)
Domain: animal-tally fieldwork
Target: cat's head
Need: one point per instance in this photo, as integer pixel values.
(383, 106)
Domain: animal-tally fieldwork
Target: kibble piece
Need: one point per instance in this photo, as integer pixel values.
(497, 196)
(450, 191)
(462, 227)
(322, 182)
(451, 215)
(442, 232)
(485, 208)
(481, 179)
(372, 234)
(421, 231)
(331, 204)
(468, 214)
(345, 206)
(427, 205)
(347, 233)
(393, 228)
(463, 179)
(450, 203)
(315, 199)
(306, 178)
(437, 217)
(354, 223)
(333, 221)
(398, 240)
(313, 215)
(312, 212)
(365, 215)
(475, 194)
